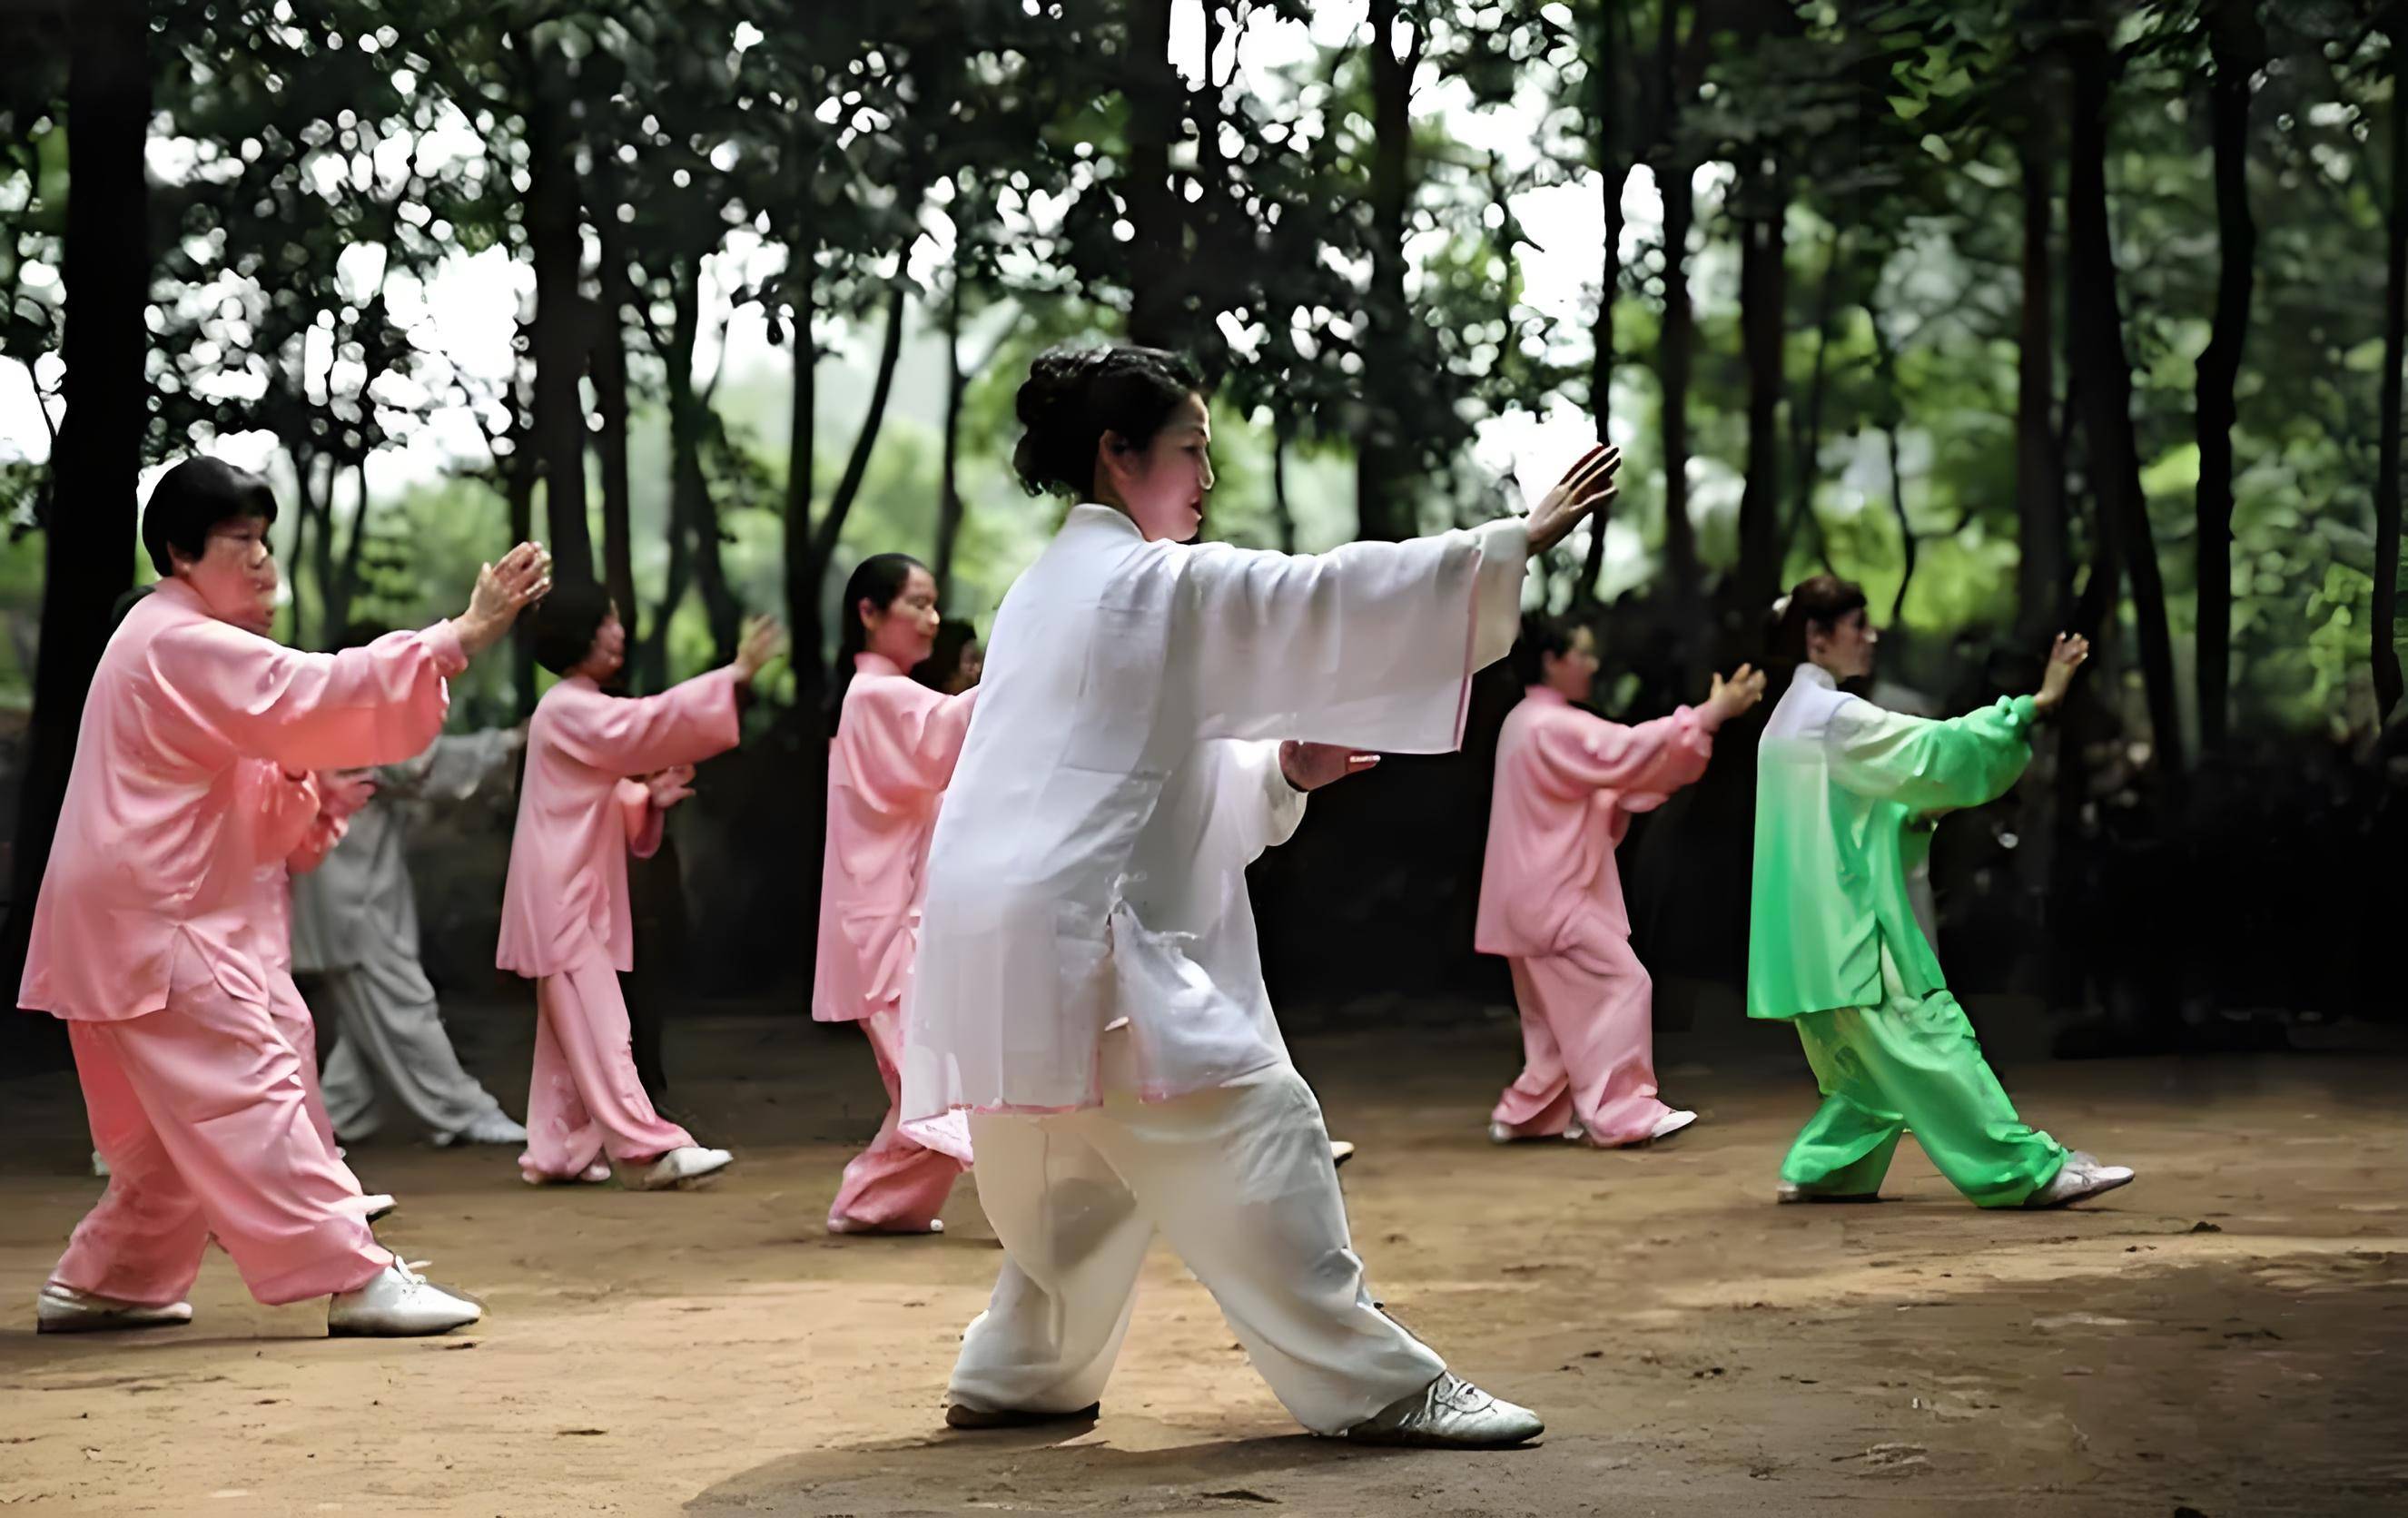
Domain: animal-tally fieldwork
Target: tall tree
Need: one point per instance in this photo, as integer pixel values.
(1382, 503)
(2127, 548)
(89, 532)
(2386, 649)
(1674, 167)
(2237, 50)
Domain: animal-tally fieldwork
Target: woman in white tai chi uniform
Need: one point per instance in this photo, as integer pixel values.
(1114, 1067)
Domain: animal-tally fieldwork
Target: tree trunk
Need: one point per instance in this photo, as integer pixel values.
(803, 575)
(2238, 48)
(2111, 452)
(949, 500)
(1674, 343)
(1155, 97)
(89, 531)
(1283, 511)
(557, 246)
(336, 613)
(1806, 452)
(2386, 649)
(689, 487)
(303, 513)
(610, 393)
(1886, 375)
(518, 482)
(2041, 568)
(1764, 289)
(1613, 173)
(1383, 505)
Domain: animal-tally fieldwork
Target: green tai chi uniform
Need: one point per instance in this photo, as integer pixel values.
(1842, 792)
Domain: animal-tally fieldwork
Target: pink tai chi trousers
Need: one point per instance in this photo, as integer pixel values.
(585, 1099)
(203, 1112)
(1589, 1042)
(896, 1184)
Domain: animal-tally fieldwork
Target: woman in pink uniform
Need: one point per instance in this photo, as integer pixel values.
(145, 938)
(601, 769)
(888, 765)
(1551, 896)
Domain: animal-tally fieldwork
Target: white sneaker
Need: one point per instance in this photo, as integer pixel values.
(64, 1309)
(379, 1205)
(1339, 1152)
(682, 1169)
(493, 1128)
(1500, 1134)
(592, 1175)
(99, 1165)
(1450, 1413)
(1671, 1124)
(2079, 1178)
(399, 1304)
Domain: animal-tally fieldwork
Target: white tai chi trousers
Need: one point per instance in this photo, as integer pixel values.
(1239, 1178)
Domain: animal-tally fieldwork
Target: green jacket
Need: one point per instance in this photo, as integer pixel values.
(1838, 783)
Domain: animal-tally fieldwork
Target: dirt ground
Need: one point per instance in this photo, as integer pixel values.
(2228, 1337)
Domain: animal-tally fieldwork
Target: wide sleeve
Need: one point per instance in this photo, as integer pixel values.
(364, 705)
(455, 766)
(1927, 766)
(1253, 805)
(624, 735)
(640, 818)
(1643, 764)
(902, 739)
(1371, 645)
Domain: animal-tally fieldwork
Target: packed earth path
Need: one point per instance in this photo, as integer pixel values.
(2226, 1336)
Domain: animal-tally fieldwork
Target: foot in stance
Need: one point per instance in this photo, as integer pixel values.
(492, 1129)
(1500, 1134)
(592, 1175)
(378, 1205)
(1450, 1413)
(1671, 1124)
(854, 1225)
(1791, 1192)
(958, 1416)
(1339, 1152)
(2080, 1178)
(682, 1169)
(64, 1309)
(399, 1303)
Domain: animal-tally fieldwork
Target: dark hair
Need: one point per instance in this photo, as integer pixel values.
(1074, 395)
(877, 579)
(565, 622)
(1817, 601)
(192, 500)
(1541, 635)
(944, 661)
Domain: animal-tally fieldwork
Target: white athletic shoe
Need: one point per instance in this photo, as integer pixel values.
(379, 1205)
(99, 1165)
(1500, 1134)
(64, 1309)
(493, 1127)
(682, 1169)
(2080, 1178)
(1671, 1124)
(1450, 1413)
(592, 1175)
(399, 1304)
(1339, 1152)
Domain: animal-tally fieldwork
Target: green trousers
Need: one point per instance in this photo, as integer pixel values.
(1911, 1063)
